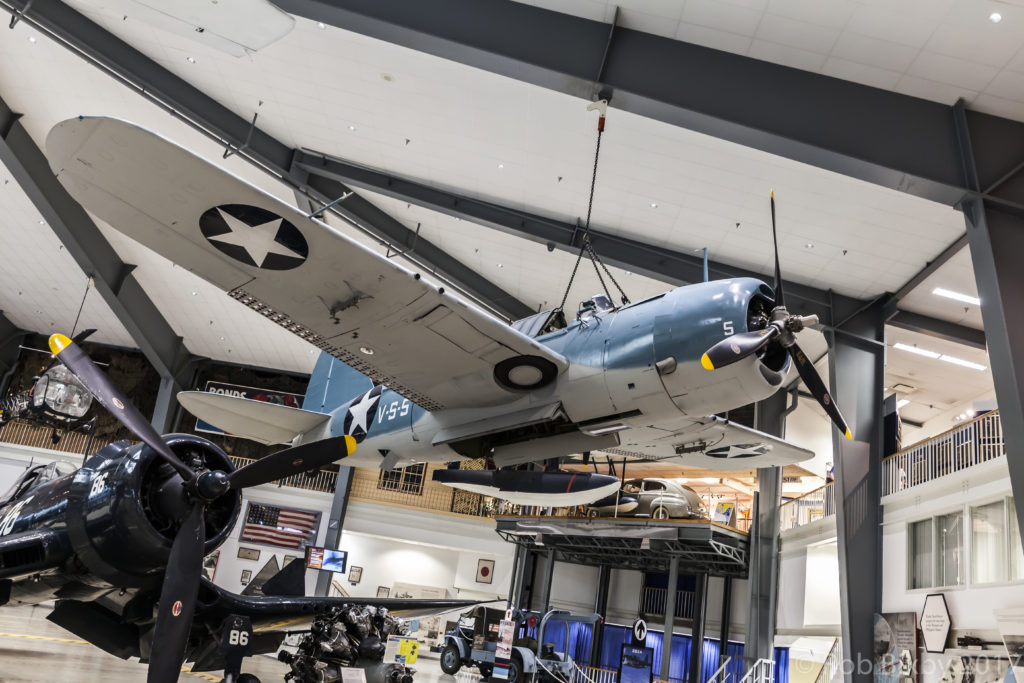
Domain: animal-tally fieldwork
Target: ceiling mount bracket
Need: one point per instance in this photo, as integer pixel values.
(230, 149)
(17, 14)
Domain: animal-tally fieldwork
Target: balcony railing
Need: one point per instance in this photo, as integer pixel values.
(966, 445)
(652, 601)
(810, 507)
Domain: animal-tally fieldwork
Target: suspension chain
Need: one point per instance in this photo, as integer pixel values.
(587, 247)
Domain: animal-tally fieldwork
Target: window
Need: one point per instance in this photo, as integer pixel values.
(988, 543)
(653, 485)
(920, 557)
(949, 533)
(404, 480)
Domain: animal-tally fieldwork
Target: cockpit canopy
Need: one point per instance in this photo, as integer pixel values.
(35, 476)
(62, 393)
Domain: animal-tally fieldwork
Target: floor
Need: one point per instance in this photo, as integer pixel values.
(33, 649)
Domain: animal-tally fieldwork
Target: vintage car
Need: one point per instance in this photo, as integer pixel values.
(655, 498)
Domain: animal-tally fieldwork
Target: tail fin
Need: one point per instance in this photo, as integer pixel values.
(333, 383)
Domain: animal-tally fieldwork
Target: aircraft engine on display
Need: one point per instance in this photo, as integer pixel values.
(345, 637)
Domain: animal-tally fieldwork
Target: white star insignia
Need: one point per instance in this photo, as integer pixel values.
(361, 412)
(257, 240)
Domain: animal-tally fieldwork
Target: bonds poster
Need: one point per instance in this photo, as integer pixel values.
(281, 398)
(896, 647)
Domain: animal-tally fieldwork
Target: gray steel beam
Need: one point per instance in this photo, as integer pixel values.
(183, 100)
(670, 616)
(335, 525)
(11, 337)
(770, 418)
(894, 140)
(604, 580)
(940, 329)
(112, 278)
(700, 595)
(997, 241)
(364, 214)
(673, 266)
(857, 366)
(723, 627)
(929, 269)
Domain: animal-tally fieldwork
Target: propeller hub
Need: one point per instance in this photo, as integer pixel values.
(212, 484)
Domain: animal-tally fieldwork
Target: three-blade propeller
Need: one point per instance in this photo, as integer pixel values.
(184, 567)
(781, 330)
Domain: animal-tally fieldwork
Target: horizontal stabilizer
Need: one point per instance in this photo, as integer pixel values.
(260, 421)
(550, 489)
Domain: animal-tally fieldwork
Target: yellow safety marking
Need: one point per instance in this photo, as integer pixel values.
(279, 624)
(184, 669)
(51, 638)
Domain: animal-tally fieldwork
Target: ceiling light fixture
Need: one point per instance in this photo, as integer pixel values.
(366, 349)
(500, 266)
(501, 165)
(195, 293)
(913, 349)
(961, 362)
(32, 39)
(321, 25)
(654, 205)
(939, 356)
(995, 17)
(902, 402)
(957, 296)
(809, 245)
(190, 60)
(222, 338)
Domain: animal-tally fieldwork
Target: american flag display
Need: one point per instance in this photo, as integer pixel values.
(282, 527)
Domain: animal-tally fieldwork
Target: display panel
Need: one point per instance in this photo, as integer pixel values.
(326, 559)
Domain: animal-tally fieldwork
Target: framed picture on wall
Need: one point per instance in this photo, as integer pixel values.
(355, 574)
(484, 571)
(248, 553)
(246, 576)
(383, 591)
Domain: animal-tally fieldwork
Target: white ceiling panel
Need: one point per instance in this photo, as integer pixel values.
(939, 49)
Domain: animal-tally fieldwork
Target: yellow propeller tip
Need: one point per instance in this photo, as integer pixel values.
(350, 444)
(772, 193)
(849, 435)
(706, 362)
(58, 342)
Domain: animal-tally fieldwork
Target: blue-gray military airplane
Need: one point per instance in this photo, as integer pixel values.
(416, 374)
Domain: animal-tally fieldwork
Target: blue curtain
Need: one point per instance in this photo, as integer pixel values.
(613, 637)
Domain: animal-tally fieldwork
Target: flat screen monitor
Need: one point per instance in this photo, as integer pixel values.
(326, 559)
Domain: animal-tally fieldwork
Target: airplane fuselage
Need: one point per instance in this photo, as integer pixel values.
(635, 366)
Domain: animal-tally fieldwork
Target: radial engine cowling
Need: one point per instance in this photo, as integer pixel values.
(126, 504)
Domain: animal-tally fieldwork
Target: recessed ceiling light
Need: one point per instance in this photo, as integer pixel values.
(809, 245)
(351, 127)
(961, 362)
(995, 17)
(500, 266)
(902, 402)
(367, 350)
(312, 350)
(195, 293)
(501, 165)
(222, 338)
(913, 349)
(190, 60)
(654, 205)
(321, 25)
(957, 296)
(31, 39)
(42, 222)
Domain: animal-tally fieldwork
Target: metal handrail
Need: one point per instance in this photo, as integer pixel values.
(972, 443)
(831, 663)
(720, 671)
(762, 671)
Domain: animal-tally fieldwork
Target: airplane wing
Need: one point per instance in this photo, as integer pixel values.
(373, 314)
(712, 443)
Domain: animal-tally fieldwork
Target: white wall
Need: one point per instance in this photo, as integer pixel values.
(808, 426)
(821, 597)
